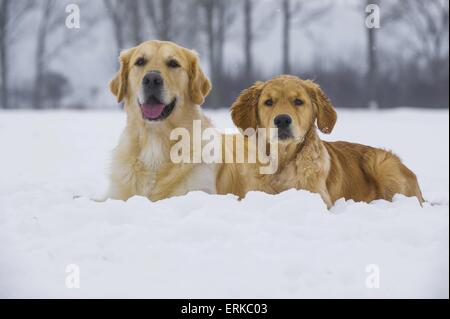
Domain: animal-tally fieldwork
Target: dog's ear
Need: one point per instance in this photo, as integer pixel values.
(118, 85)
(244, 111)
(199, 84)
(326, 114)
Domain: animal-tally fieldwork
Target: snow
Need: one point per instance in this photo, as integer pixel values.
(203, 246)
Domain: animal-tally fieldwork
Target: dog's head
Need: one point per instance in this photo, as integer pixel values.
(286, 103)
(158, 78)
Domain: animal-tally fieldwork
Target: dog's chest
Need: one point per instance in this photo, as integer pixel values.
(306, 171)
(151, 157)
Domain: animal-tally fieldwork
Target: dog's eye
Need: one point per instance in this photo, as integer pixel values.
(140, 62)
(173, 64)
(298, 102)
(269, 102)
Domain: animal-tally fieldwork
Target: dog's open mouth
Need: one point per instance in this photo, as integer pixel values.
(153, 110)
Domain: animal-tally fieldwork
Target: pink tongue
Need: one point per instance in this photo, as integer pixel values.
(152, 111)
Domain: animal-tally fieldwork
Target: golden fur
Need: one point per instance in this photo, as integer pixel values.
(333, 170)
(141, 162)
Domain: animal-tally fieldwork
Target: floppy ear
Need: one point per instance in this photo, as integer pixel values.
(244, 110)
(199, 84)
(326, 115)
(118, 85)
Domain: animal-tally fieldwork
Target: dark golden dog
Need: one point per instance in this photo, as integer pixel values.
(333, 170)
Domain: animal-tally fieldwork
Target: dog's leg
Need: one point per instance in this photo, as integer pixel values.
(392, 176)
(169, 182)
(113, 193)
(326, 198)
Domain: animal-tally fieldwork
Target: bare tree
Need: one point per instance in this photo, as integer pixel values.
(390, 12)
(429, 22)
(160, 12)
(255, 29)
(12, 14)
(208, 7)
(52, 39)
(372, 62)
(4, 13)
(425, 39)
(248, 37)
(287, 27)
(45, 26)
(126, 17)
(136, 21)
(218, 16)
(167, 25)
(224, 18)
(116, 12)
(302, 13)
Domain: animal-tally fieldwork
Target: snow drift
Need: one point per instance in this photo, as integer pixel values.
(203, 246)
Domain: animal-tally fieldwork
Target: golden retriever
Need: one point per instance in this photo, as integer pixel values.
(333, 170)
(162, 87)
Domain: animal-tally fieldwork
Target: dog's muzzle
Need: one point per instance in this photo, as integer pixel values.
(153, 108)
(283, 124)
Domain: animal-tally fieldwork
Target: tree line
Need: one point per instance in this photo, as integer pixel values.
(413, 73)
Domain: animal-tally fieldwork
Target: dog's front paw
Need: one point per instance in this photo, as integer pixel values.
(93, 199)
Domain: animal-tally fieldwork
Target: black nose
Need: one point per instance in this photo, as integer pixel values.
(283, 121)
(153, 80)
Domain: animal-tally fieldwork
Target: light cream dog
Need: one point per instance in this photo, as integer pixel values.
(162, 87)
